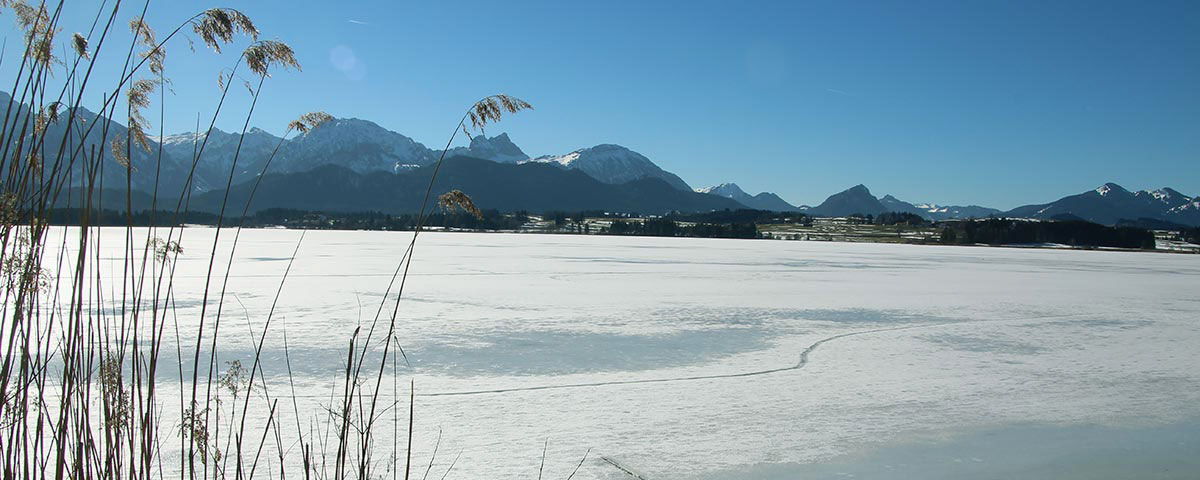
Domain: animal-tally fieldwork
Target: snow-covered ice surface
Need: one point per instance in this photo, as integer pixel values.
(695, 358)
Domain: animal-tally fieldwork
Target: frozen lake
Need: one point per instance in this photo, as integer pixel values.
(698, 358)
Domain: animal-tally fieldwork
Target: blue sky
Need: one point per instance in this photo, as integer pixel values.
(992, 103)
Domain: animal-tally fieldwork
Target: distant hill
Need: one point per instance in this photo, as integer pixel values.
(936, 212)
(856, 199)
(762, 201)
(859, 200)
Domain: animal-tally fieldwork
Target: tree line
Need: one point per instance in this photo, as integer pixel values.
(290, 218)
(1078, 233)
(742, 223)
(665, 227)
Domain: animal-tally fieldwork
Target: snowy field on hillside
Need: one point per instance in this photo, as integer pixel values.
(703, 358)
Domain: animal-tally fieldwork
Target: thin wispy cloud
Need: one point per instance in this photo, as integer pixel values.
(357, 22)
(839, 92)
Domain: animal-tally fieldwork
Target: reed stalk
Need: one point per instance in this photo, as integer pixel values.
(86, 342)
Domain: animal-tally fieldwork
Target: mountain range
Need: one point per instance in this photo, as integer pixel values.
(532, 186)
(1108, 204)
(350, 164)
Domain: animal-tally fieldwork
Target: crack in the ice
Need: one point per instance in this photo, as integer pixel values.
(799, 364)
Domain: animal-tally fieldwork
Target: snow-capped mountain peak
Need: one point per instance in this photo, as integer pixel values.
(1168, 197)
(188, 137)
(564, 160)
(220, 148)
(1108, 188)
(615, 164)
(724, 190)
(217, 136)
(1165, 195)
(360, 145)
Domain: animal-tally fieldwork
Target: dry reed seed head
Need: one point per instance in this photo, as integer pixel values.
(117, 146)
(40, 123)
(113, 389)
(234, 378)
(513, 104)
(243, 23)
(33, 159)
(474, 122)
(81, 45)
(39, 31)
(455, 199)
(163, 249)
(26, 14)
(53, 108)
(142, 32)
(309, 122)
(262, 55)
(217, 25)
(22, 270)
(155, 54)
(138, 133)
(139, 93)
(47, 115)
(8, 209)
(156, 59)
(139, 98)
(42, 50)
(195, 428)
(492, 108)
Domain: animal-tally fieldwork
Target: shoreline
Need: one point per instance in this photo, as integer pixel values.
(534, 232)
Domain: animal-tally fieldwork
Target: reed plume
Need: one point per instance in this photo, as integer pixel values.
(138, 97)
(492, 108)
(216, 26)
(262, 55)
(455, 199)
(309, 121)
(40, 31)
(81, 45)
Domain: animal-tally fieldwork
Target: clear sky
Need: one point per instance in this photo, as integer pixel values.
(996, 103)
